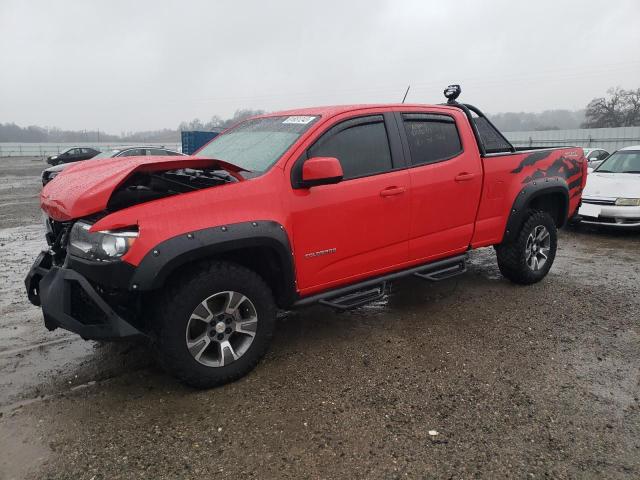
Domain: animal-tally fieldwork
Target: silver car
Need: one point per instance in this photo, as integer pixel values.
(595, 156)
(612, 194)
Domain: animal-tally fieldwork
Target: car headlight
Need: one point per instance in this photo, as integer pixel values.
(54, 157)
(100, 246)
(628, 202)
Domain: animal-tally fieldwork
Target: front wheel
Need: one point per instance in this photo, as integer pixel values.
(215, 324)
(529, 257)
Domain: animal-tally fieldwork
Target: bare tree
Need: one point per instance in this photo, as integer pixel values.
(621, 108)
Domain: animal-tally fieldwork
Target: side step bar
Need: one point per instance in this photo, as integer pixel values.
(357, 298)
(443, 273)
(374, 289)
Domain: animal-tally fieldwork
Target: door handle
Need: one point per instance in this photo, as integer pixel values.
(465, 177)
(390, 191)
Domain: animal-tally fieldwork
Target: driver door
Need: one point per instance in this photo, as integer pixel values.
(359, 226)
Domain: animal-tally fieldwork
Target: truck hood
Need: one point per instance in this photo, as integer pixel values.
(626, 185)
(84, 188)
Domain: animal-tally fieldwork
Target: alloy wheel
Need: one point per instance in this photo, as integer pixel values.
(221, 328)
(538, 247)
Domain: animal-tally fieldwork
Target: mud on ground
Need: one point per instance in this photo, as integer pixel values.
(518, 382)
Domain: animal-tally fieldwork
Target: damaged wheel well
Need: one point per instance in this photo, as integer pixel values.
(261, 245)
(263, 260)
(552, 203)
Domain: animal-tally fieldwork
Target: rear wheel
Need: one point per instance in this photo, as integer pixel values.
(529, 257)
(215, 325)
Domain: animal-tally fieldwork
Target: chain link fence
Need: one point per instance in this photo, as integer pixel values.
(609, 139)
(46, 149)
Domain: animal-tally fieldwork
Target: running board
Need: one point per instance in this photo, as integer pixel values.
(374, 289)
(436, 275)
(356, 298)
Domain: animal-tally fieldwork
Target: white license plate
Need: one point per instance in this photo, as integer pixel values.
(590, 210)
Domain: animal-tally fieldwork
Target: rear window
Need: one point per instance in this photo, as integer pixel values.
(491, 139)
(432, 138)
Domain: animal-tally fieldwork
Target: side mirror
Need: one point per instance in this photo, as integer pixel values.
(321, 171)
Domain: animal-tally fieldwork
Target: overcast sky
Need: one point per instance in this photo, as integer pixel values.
(125, 65)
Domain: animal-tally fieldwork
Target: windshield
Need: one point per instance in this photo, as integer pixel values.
(257, 143)
(107, 154)
(623, 161)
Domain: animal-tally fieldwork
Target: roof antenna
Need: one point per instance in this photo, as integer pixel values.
(406, 93)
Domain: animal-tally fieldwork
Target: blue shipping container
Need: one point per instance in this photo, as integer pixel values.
(192, 141)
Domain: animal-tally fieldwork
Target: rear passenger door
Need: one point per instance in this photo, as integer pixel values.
(345, 231)
(446, 183)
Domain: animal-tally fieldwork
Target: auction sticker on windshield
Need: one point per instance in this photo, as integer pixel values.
(298, 119)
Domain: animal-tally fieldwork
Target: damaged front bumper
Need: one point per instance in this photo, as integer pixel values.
(69, 301)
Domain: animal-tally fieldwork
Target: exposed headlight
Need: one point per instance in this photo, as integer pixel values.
(628, 202)
(100, 246)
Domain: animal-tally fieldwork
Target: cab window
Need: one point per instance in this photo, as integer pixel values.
(431, 138)
(361, 145)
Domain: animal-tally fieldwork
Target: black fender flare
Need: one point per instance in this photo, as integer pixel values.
(527, 195)
(166, 257)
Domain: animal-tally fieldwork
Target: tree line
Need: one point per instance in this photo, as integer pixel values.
(10, 132)
(618, 108)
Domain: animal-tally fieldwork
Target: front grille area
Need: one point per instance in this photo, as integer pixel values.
(612, 220)
(598, 201)
(57, 238)
(83, 308)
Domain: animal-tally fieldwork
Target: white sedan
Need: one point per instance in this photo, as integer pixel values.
(612, 194)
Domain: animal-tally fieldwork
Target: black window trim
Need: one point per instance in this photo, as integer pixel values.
(405, 139)
(396, 149)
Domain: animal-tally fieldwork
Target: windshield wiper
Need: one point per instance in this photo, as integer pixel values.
(632, 171)
(603, 171)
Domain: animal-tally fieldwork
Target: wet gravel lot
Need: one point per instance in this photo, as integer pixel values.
(472, 377)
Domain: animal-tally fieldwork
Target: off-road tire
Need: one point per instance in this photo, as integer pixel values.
(175, 308)
(512, 255)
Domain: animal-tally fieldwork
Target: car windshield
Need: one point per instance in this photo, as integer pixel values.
(623, 161)
(107, 154)
(256, 144)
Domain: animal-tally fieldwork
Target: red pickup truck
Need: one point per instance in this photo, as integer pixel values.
(324, 205)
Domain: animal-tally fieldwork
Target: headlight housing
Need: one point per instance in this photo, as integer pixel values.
(106, 246)
(628, 202)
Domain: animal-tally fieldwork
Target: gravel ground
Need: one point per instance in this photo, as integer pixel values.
(472, 377)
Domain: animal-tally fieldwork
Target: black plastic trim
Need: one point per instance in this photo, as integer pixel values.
(166, 257)
(424, 269)
(115, 274)
(530, 192)
(52, 286)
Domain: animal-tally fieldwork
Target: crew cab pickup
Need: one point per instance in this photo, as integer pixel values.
(320, 205)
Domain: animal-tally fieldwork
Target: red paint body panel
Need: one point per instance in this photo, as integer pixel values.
(85, 188)
(504, 179)
(320, 168)
(370, 225)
